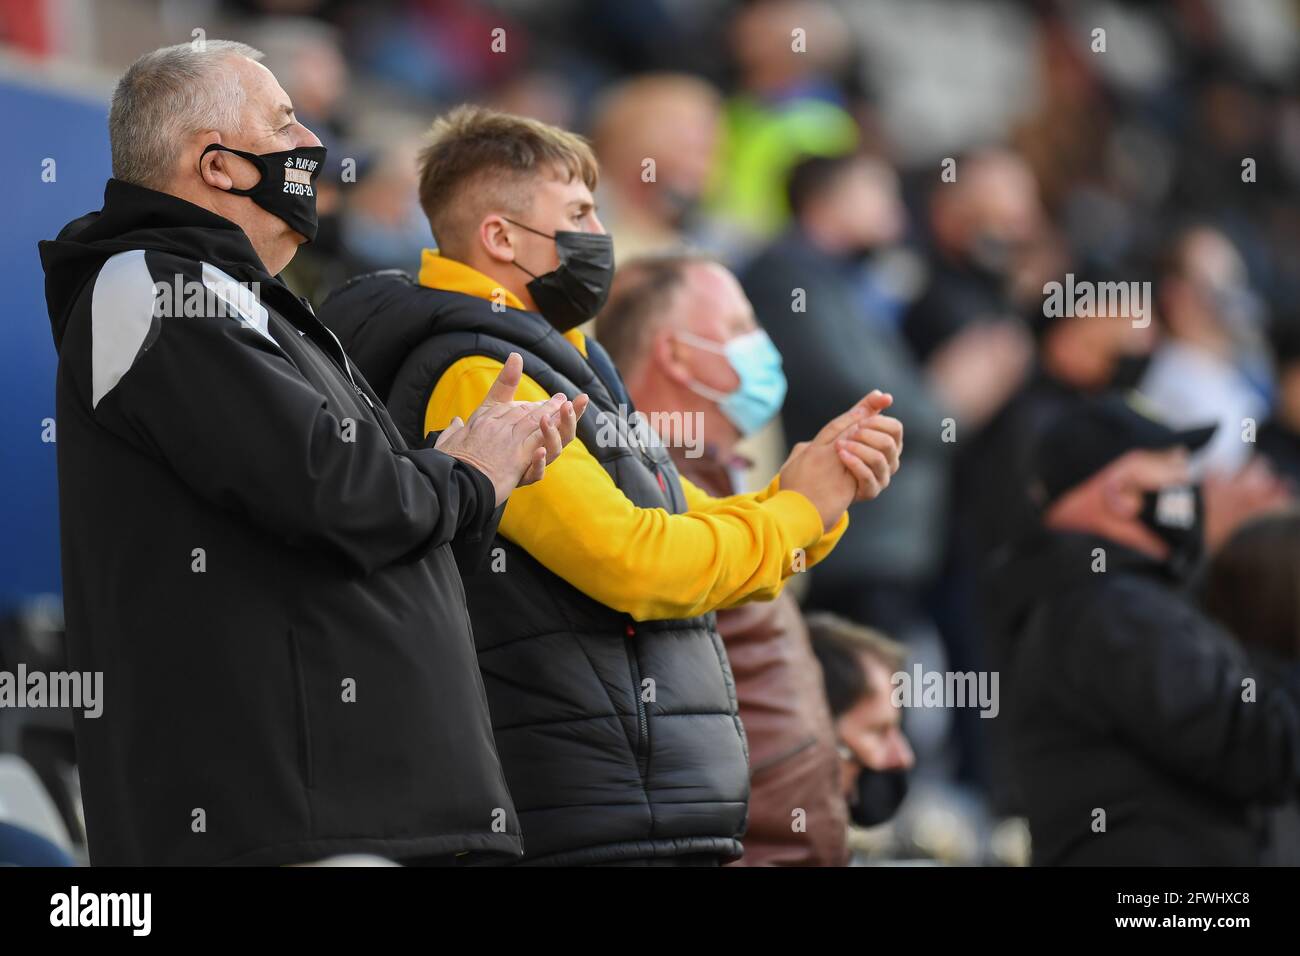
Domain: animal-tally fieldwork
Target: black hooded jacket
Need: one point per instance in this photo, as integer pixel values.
(258, 564)
(1123, 697)
(600, 770)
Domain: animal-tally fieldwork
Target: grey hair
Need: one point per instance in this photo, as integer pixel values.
(167, 95)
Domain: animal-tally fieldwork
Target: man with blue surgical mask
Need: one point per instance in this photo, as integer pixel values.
(705, 376)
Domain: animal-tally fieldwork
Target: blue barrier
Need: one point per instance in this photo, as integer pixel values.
(72, 132)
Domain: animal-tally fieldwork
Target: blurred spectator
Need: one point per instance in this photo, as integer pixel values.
(539, 94)
(1212, 327)
(1135, 739)
(792, 756)
(1078, 355)
(788, 54)
(1252, 588)
(967, 329)
(966, 326)
(305, 56)
(1279, 438)
(656, 137)
(858, 665)
(378, 225)
(807, 290)
(381, 225)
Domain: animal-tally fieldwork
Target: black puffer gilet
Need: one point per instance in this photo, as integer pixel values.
(620, 739)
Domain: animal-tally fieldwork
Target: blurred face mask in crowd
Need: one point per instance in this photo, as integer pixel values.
(577, 288)
(384, 245)
(993, 254)
(1177, 515)
(1129, 370)
(287, 189)
(681, 209)
(757, 364)
(877, 796)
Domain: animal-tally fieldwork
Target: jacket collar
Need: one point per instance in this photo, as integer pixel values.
(159, 220)
(449, 275)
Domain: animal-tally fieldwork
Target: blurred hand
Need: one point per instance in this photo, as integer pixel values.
(978, 369)
(511, 442)
(1231, 501)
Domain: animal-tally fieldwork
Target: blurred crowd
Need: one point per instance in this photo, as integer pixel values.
(896, 183)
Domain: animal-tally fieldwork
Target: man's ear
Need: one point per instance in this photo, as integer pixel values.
(494, 236)
(667, 354)
(214, 167)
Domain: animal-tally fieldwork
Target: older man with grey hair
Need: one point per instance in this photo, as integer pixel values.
(264, 573)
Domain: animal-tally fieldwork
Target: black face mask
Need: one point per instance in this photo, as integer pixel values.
(575, 291)
(1177, 515)
(680, 209)
(879, 795)
(1128, 371)
(993, 256)
(287, 189)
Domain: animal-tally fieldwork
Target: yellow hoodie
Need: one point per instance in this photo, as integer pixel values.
(644, 562)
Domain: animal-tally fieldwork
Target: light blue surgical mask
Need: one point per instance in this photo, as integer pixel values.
(757, 364)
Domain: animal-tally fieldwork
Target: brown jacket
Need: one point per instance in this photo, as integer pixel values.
(792, 755)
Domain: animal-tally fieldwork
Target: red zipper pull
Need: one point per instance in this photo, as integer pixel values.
(631, 631)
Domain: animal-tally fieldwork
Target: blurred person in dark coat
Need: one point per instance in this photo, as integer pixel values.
(1279, 438)
(807, 289)
(797, 816)
(1252, 587)
(1140, 736)
(1078, 355)
(968, 332)
(982, 227)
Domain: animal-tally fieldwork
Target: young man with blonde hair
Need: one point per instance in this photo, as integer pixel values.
(612, 702)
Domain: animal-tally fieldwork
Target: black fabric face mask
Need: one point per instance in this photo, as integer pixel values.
(287, 189)
(879, 795)
(577, 289)
(1129, 371)
(1177, 515)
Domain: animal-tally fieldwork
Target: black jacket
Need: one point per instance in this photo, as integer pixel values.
(598, 772)
(1281, 446)
(1123, 697)
(258, 565)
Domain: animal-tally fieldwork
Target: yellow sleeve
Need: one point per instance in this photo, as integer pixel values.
(699, 500)
(645, 562)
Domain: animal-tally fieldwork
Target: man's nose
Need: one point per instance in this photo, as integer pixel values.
(306, 137)
(900, 755)
(596, 224)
